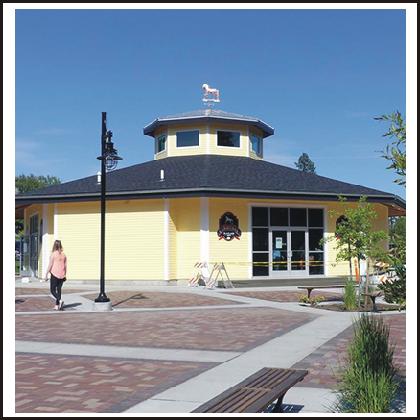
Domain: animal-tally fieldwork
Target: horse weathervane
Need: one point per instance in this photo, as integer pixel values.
(210, 95)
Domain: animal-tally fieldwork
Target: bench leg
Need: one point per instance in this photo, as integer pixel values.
(309, 293)
(278, 407)
(374, 304)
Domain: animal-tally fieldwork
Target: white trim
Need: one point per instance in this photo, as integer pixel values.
(166, 240)
(167, 143)
(204, 229)
(45, 244)
(326, 265)
(248, 141)
(208, 138)
(250, 240)
(55, 221)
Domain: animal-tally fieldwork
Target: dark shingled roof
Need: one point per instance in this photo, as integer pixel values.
(207, 115)
(207, 175)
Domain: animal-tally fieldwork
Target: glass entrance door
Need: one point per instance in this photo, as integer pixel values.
(280, 251)
(289, 252)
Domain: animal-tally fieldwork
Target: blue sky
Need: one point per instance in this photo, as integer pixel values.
(319, 77)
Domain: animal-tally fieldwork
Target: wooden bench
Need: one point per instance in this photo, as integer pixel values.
(373, 297)
(310, 288)
(255, 393)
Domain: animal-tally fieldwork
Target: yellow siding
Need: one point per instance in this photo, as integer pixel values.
(234, 253)
(185, 214)
(133, 236)
(173, 250)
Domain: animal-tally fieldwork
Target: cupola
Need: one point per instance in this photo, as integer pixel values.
(208, 131)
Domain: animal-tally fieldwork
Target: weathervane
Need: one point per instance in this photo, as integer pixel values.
(210, 95)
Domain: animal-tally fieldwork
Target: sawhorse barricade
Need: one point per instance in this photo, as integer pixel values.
(201, 272)
(220, 268)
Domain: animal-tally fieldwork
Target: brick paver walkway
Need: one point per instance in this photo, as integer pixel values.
(126, 299)
(325, 360)
(288, 296)
(27, 291)
(220, 329)
(68, 384)
(38, 304)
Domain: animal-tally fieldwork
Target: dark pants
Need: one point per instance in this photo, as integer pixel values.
(55, 287)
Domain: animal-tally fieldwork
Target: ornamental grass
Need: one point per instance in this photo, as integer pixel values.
(366, 382)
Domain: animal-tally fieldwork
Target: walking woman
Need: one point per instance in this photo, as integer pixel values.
(58, 268)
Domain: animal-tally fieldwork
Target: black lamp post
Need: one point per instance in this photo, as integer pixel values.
(109, 159)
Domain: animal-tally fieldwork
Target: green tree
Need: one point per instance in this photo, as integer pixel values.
(354, 236)
(31, 182)
(305, 164)
(396, 151)
(397, 227)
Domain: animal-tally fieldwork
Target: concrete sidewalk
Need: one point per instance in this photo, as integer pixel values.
(184, 346)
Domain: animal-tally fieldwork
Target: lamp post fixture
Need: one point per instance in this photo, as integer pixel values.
(109, 159)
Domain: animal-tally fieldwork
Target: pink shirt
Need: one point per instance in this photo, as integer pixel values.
(58, 264)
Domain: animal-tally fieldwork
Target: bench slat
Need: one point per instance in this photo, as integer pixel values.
(239, 400)
(255, 393)
(274, 394)
(269, 379)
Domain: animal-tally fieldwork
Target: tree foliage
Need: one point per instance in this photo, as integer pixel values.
(397, 227)
(305, 164)
(354, 236)
(395, 152)
(395, 288)
(31, 182)
(24, 183)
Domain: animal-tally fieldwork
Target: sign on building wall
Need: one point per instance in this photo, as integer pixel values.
(228, 227)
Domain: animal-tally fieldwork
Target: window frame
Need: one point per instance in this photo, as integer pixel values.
(259, 153)
(229, 147)
(157, 143)
(186, 131)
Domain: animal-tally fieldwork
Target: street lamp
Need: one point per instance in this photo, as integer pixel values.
(109, 159)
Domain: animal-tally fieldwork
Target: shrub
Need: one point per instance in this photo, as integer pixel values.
(313, 301)
(395, 288)
(350, 296)
(366, 382)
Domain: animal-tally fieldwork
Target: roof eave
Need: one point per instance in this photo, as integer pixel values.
(159, 122)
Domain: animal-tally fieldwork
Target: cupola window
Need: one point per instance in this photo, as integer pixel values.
(161, 143)
(187, 138)
(256, 144)
(228, 139)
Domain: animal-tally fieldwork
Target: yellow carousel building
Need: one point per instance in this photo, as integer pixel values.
(208, 196)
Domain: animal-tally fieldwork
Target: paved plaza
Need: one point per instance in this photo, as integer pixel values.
(171, 349)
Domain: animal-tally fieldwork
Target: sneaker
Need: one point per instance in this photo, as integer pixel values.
(56, 308)
(61, 305)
